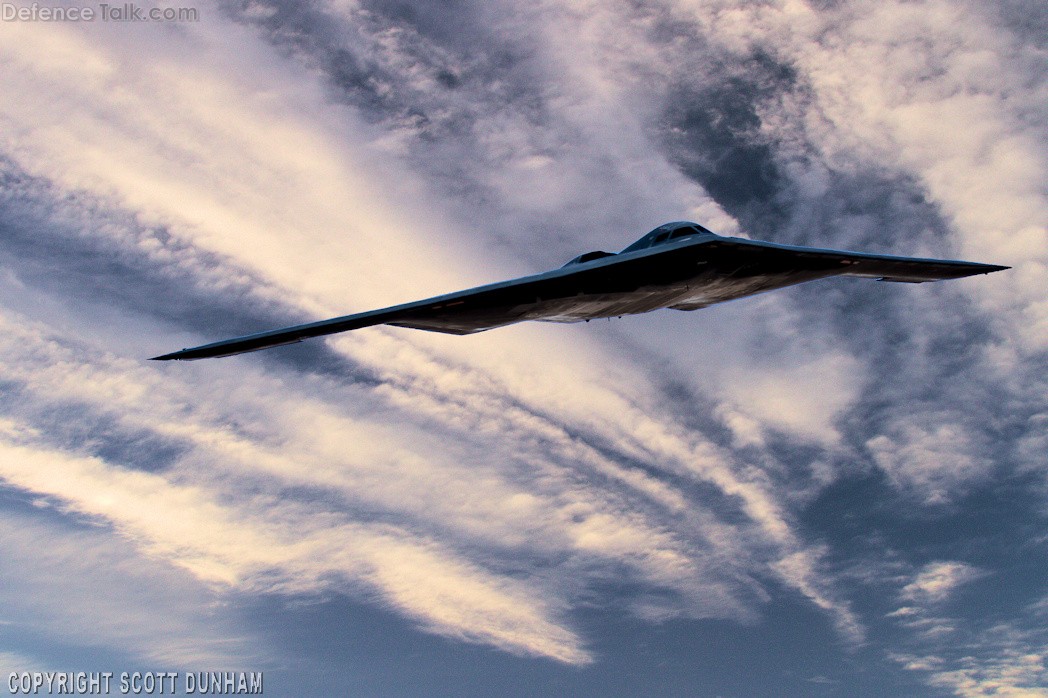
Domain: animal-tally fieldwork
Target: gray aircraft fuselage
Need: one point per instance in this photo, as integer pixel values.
(678, 265)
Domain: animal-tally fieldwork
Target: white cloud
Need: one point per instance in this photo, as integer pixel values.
(1003, 662)
(11, 662)
(534, 435)
(933, 460)
(1019, 676)
(935, 90)
(176, 516)
(109, 596)
(286, 551)
(802, 395)
(937, 580)
(799, 569)
(472, 457)
(966, 654)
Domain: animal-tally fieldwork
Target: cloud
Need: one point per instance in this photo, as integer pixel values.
(550, 447)
(967, 654)
(1002, 661)
(799, 570)
(170, 185)
(109, 597)
(235, 548)
(184, 526)
(946, 108)
(933, 464)
(11, 662)
(850, 113)
(937, 580)
(1009, 675)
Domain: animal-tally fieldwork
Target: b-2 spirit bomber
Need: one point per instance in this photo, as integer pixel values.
(678, 265)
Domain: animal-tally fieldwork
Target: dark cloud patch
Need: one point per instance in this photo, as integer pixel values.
(868, 209)
(925, 351)
(896, 327)
(693, 409)
(712, 136)
(442, 79)
(710, 128)
(77, 428)
(400, 62)
(927, 362)
(458, 23)
(1028, 19)
(360, 84)
(305, 32)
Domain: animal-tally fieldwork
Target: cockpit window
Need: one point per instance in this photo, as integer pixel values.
(669, 231)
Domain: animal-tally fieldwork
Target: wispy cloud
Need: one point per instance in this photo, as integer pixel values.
(964, 653)
(296, 160)
(108, 596)
(937, 580)
(1003, 661)
(933, 464)
(539, 440)
(13, 662)
(222, 545)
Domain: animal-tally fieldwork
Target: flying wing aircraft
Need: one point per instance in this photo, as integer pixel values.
(678, 265)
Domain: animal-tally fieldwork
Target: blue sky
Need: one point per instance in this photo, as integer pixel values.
(835, 489)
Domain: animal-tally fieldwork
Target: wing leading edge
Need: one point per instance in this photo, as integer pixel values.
(462, 312)
(683, 274)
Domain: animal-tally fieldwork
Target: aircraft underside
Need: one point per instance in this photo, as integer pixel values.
(700, 291)
(679, 265)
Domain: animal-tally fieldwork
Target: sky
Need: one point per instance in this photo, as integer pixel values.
(838, 489)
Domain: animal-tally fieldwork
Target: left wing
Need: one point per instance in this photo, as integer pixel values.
(462, 312)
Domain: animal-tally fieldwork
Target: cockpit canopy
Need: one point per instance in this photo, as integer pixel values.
(666, 233)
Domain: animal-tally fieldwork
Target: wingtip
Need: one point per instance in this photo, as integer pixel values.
(173, 356)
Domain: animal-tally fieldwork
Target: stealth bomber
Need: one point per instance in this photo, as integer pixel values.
(679, 265)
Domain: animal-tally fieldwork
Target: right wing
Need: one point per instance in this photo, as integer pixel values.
(872, 266)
